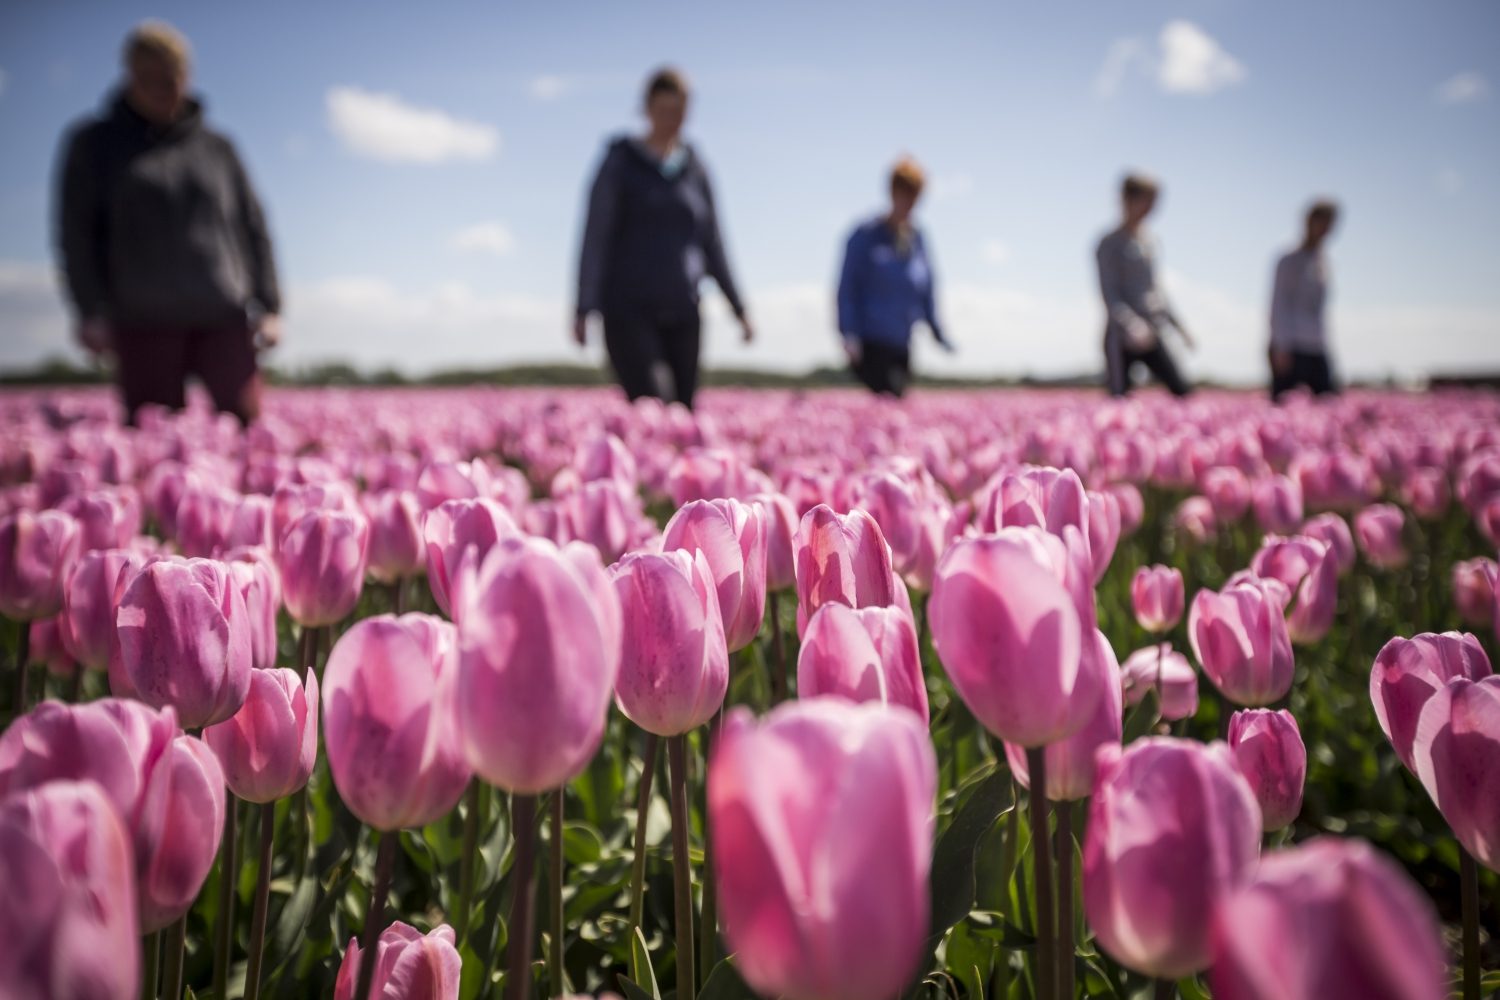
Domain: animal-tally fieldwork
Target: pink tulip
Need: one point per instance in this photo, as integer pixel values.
(732, 537)
(387, 721)
(893, 504)
(938, 524)
(822, 822)
(321, 560)
(397, 550)
(1239, 636)
(185, 639)
(1195, 518)
(203, 518)
(250, 524)
(408, 965)
(47, 648)
(440, 482)
(94, 588)
(1008, 633)
(1329, 919)
(107, 519)
(36, 552)
(1378, 528)
(1168, 673)
(606, 457)
(1038, 497)
(1071, 761)
(841, 559)
(865, 655)
(458, 534)
(1457, 756)
(1172, 829)
(192, 825)
(1474, 590)
(1408, 672)
(292, 500)
(68, 913)
(1334, 532)
(781, 520)
(1228, 491)
(1267, 748)
(1132, 506)
(539, 653)
(1278, 503)
(1427, 494)
(1104, 529)
(1308, 569)
(269, 747)
(1156, 592)
(674, 670)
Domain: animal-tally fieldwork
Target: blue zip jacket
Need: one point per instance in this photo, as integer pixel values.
(882, 293)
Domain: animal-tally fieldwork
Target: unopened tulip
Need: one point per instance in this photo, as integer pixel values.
(865, 655)
(204, 515)
(1333, 530)
(396, 547)
(107, 519)
(821, 817)
(255, 574)
(732, 537)
(1408, 672)
(68, 913)
(1071, 761)
(1330, 919)
(268, 749)
(674, 668)
(1457, 756)
(1268, 750)
(1278, 503)
(1008, 633)
(539, 652)
(292, 500)
(1166, 671)
(1132, 506)
(1474, 590)
(92, 595)
(1038, 496)
(781, 520)
(192, 825)
(185, 639)
(458, 534)
(892, 502)
(321, 560)
(841, 559)
(36, 552)
(1173, 828)
(408, 965)
(1195, 518)
(1239, 637)
(1104, 529)
(387, 723)
(1156, 592)
(1309, 570)
(1228, 491)
(1427, 493)
(1378, 528)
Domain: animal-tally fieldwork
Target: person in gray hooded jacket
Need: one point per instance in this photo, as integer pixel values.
(163, 243)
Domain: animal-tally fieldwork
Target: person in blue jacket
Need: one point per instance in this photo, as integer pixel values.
(886, 288)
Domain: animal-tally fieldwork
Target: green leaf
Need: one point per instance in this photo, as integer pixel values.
(640, 963)
(634, 992)
(724, 983)
(953, 858)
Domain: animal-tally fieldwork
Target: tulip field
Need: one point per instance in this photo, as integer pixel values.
(463, 693)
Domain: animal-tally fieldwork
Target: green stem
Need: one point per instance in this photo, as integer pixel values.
(682, 867)
(555, 971)
(642, 808)
(475, 806)
(176, 947)
(1041, 856)
(1166, 989)
(398, 596)
(224, 931)
(75, 685)
(518, 948)
(1468, 878)
(779, 677)
(150, 965)
(385, 862)
(708, 934)
(1065, 900)
(262, 900)
(23, 662)
(305, 652)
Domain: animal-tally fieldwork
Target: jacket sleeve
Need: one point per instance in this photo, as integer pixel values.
(257, 237)
(1281, 304)
(929, 297)
(80, 227)
(598, 235)
(851, 280)
(717, 259)
(1120, 311)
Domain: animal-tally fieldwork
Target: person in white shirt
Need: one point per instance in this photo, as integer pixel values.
(1299, 333)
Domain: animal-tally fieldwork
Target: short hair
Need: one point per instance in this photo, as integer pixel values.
(159, 40)
(1323, 208)
(907, 175)
(667, 80)
(1137, 185)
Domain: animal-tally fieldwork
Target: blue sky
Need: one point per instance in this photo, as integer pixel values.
(424, 168)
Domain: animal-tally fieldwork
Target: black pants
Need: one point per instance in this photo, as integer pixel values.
(885, 369)
(1120, 360)
(152, 365)
(654, 352)
(1309, 369)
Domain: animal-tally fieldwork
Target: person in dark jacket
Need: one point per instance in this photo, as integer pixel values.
(886, 288)
(162, 241)
(1299, 330)
(652, 235)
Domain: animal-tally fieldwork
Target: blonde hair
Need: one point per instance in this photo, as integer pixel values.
(907, 174)
(159, 40)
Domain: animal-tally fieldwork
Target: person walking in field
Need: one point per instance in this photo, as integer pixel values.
(651, 236)
(1299, 335)
(163, 245)
(886, 287)
(1137, 313)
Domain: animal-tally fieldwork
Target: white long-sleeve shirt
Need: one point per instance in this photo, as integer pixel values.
(1297, 303)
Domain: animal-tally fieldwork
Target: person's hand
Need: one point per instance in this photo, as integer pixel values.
(1281, 361)
(747, 329)
(853, 349)
(581, 329)
(268, 332)
(943, 342)
(1187, 339)
(94, 335)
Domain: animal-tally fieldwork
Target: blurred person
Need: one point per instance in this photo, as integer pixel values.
(651, 236)
(162, 241)
(1136, 310)
(886, 287)
(1299, 336)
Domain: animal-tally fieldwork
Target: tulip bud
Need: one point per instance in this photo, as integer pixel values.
(1195, 518)
(1239, 636)
(1156, 592)
(843, 560)
(1378, 528)
(1408, 672)
(396, 547)
(1456, 753)
(1474, 590)
(1334, 532)
(1278, 503)
(1267, 748)
(781, 520)
(107, 519)
(732, 537)
(1427, 493)
(408, 965)
(458, 534)
(1308, 568)
(192, 825)
(321, 560)
(36, 552)
(1168, 673)
(269, 747)
(1228, 491)
(865, 655)
(1071, 761)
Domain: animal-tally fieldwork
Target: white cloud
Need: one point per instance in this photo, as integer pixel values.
(1122, 55)
(384, 127)
(995, 251)
(485, 237)
(1449, 181)
(1192, 62)
(1464, 88)
(550, 87)
(32, 314)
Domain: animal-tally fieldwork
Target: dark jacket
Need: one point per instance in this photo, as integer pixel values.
(652, 234)
(160, 226)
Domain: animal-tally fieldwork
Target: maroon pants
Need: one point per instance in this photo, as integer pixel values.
(153, 365)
